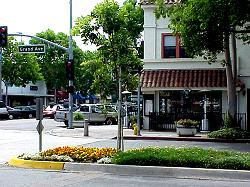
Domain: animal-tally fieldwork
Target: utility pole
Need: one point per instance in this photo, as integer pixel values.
(70, 52)
(3, 43)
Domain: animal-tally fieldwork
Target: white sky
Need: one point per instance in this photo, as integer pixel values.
(34, 16)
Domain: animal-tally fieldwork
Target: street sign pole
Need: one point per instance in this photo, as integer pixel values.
(40, 130)
(39, 116)
(38, 48)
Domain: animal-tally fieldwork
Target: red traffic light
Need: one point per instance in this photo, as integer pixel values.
(71, 89)
(3, 36)
(69, 69)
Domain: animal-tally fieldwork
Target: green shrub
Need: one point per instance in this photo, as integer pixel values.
(230, 121)
(77, 116)
(229, 133)
(187, 122)
(183, 157)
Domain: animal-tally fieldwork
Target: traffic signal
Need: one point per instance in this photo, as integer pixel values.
(70, 69)
(3, 36)
(71, 89)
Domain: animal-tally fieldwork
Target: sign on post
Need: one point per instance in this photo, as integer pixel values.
(38, 48)
(39, 108)
(39, 116)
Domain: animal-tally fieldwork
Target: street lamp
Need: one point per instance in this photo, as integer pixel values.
(7, 84)
(126, 106)
(204, 122)
(139, 104)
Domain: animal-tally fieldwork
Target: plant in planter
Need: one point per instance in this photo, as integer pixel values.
(78, 119)
(77, 116)
(186, 127)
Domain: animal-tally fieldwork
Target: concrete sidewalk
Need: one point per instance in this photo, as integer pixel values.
(110, 132)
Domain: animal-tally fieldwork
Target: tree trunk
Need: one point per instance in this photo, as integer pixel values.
(231, 87)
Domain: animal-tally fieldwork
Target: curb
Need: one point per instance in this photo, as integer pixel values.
(36, 164)
(177, 172)
(197, 139)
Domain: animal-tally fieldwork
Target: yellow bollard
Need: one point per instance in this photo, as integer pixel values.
(135, 129)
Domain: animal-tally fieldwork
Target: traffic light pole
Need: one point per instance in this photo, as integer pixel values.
(70, 51)
(1, 74)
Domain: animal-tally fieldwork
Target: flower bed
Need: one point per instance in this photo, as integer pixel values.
(149, 156)
(72, 154)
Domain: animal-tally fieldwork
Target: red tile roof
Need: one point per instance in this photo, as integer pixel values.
(148, 2)
(183, 78)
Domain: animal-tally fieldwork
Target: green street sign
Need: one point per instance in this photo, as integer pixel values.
(39, 48)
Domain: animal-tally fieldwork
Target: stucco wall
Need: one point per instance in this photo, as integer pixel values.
(14, 90)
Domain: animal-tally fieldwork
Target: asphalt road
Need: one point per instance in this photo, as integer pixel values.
(20, 136)
(18, 177)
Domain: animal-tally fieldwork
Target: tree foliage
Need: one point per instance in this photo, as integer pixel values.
(205, 24)
(52, 63)
(115, 31)
(19, 69)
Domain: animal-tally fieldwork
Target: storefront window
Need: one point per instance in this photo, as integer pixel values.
(189, 101)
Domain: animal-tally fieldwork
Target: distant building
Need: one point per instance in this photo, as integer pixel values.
(25, 95)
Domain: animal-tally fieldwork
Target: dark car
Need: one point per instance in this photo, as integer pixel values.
(26, 111)
(14, 113)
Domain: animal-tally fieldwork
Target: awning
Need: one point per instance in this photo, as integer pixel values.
(177, 78)
(91, 97)
(78, 96)
(62, 95)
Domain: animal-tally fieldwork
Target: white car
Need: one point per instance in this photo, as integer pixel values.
(96, 113)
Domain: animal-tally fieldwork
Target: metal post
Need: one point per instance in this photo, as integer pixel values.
(86, 127)
(70, 52)
(6, 93)
(126, 110)
(138, 106)
(120, 129)
(40, 135)
(1, 97)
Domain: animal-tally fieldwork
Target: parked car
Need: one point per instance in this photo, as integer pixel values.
(50, 110)
(60, 114)
(26, 111)
(14, 113)
(66, 106)
(96, 113)
(3, 111)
